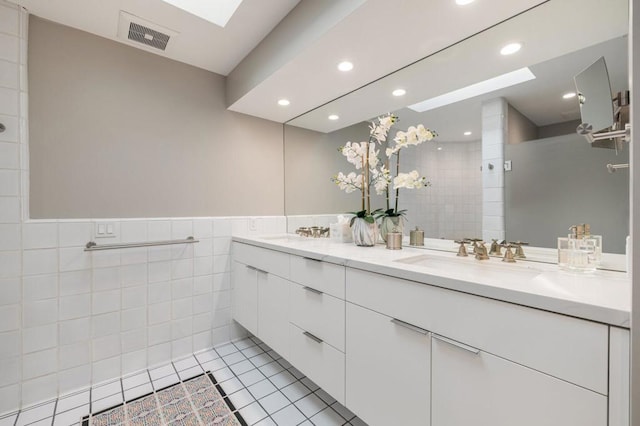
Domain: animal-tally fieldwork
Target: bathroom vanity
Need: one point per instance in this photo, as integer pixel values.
(422, 337)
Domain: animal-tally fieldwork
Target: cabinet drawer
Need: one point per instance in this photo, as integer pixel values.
(323, 276)
(321, 362)
(245, 296)
(481, 389)
(568, 348)
(318, 313)
(266, 260)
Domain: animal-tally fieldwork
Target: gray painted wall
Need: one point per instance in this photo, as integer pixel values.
(311, 160)
(562, 181)
(116, 132)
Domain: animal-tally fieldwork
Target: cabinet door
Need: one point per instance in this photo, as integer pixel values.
(245, 296)
(388, 369)
(273, 312)
(471, 387)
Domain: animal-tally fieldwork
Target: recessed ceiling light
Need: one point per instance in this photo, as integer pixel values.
(569, 95)
(439, 148)
(464, 2)
(467, 133)
(500, 82)
(510, 49)
(217, 12)
(334, 117)
(399, 92)
(283, 102)
(345, 66)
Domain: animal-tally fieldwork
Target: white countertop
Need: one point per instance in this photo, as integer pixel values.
(602, 296)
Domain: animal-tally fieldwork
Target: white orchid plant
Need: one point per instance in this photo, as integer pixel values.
(369, 169)
(371, 172)
(412, 137)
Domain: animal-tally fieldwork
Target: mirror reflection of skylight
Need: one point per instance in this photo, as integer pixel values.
(215, 11)
(490, 85)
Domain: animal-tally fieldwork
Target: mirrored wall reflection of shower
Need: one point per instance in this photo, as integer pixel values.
(451, 207)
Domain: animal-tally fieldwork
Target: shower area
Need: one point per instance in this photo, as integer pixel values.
(451, 208)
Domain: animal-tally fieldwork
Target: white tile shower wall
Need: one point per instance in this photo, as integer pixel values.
(494, 131)
(451, 207)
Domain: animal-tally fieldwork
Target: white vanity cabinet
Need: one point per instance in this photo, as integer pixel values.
(261, 294)
(492, 363)
(317, 317)
(244, 282)
(396, 351)
(470, 386)
(388, 369)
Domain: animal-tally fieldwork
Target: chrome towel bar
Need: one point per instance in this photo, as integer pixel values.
(92, 246)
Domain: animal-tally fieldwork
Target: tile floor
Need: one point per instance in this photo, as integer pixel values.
(264, 387)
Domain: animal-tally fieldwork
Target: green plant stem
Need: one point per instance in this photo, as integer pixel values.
(362, 184)
(367, 178)
(387, 188)
(397, 172)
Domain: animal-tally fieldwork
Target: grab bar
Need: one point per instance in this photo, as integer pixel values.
(92, 246)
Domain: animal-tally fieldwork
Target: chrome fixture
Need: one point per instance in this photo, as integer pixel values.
(474, 243)
(519, 254)
(611, 168)
(495, 247)
(462, 251)
(508, 254)
(2, 128)
(93, 246)
(313, 232)
(481, 251)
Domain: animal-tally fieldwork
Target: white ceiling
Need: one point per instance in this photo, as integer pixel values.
(199, 42)
(377, 37)
(551, 30)
(539, 100)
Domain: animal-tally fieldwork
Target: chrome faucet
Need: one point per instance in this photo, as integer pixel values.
(313, 231)
(462, 250)
(519, 254)
(495, 247)
(508, 254)
(481, 251)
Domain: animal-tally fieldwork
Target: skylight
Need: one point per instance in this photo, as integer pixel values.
(218, 12)
(477, 89)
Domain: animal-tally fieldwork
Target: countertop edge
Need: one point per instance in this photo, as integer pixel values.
(602, 314)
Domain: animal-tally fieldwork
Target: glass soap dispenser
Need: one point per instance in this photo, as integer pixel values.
(580, 251)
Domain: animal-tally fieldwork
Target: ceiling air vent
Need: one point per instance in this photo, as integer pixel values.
(150, 35)
(147, 36)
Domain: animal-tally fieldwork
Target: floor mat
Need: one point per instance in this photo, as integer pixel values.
(194, 402)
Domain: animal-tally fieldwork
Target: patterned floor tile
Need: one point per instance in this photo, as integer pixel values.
(112, 417)
(206, 399)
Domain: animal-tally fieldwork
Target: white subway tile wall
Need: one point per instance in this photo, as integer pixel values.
(89, 317)
(494, 117)
(451, 207)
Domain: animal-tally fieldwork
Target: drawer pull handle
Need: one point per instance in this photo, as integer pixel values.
(456, 344)
(311, 258)
(312, 337)
(409, 326)
(313, 290)
(253, 268)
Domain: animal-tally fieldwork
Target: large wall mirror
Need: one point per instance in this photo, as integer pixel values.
(556, 179)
